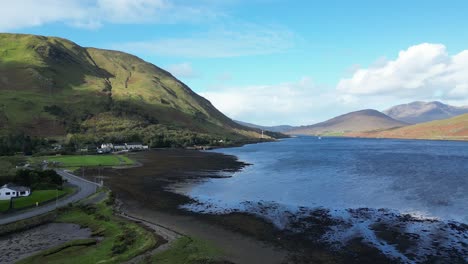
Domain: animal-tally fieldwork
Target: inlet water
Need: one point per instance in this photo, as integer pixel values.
(426, 178)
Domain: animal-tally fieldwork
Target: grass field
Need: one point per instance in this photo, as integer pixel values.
(187, 250)
(121, 240)
(77, 161)
(4, 205)
(40, 196)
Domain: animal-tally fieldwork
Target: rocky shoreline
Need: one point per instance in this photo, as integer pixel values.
(308, 234)
(26, 243)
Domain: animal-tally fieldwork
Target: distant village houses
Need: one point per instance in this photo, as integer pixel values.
(110, 147)
(10, 190)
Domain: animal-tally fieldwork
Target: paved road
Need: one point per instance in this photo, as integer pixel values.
(85, 189)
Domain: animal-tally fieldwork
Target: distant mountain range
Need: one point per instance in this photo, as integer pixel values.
(279, 129)
(372, 120)
(363, 120)
(455, 128)
(419, 112)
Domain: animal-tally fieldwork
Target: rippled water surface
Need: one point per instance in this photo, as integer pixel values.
(428, 178)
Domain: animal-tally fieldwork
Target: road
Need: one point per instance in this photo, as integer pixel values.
(85, 189)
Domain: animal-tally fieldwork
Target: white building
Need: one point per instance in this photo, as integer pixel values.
(120, 147)
(9, 191)
(107, 145)
(134, 145)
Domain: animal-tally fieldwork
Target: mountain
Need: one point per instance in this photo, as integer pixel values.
(419, 112)
(363, 120)
(52, 87)
(280, 129)
(455, 128)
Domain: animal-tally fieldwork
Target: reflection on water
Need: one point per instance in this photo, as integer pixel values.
(428, 178)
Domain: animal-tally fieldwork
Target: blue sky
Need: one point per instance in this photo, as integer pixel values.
(272, 61)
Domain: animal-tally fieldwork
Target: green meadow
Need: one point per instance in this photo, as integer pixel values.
(87, 160)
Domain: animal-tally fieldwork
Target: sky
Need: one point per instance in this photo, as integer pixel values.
(274, 62)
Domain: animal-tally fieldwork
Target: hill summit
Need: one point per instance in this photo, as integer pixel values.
(362, 120)
(419, 112)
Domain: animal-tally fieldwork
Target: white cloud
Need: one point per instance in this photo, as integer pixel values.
(422, 72)
(295, 103)
(236, 40)
(94, 13)
(182, 70)
(26, 13)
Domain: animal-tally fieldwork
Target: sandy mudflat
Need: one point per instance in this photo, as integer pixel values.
(143, 191)
(26, 243)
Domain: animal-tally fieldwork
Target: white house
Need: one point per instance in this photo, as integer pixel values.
(107, 145)
(105, 148)
(120, 147)
(134, 145)
(10, 190)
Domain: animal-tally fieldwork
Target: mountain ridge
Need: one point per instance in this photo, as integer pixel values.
(454, 128)
(420, 111)
(279, 128)
(362, 120)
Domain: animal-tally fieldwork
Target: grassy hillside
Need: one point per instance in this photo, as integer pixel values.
(363, 120)
(455, 128)
(51, 87)
(420, 112)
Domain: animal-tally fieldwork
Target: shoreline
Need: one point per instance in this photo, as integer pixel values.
(164, 168)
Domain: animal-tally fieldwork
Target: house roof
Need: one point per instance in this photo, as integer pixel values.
(17, 188)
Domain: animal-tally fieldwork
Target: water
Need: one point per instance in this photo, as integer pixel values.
(425, 178)
(356, 188)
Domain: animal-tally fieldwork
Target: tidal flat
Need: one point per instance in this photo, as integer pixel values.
(270, 231)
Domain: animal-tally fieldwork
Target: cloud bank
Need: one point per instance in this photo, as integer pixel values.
(424, 71)
(292, 102)
(94, 13)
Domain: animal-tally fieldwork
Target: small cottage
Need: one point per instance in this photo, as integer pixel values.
(120, 147)
(134, 146)
(107, 146)
(10, 190)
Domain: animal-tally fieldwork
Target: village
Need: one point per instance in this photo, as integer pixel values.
(11, 191)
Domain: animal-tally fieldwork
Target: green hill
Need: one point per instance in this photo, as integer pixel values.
(362, 120)
(52, 87)
(455, 128)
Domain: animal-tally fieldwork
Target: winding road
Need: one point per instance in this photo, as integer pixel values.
(85, 189)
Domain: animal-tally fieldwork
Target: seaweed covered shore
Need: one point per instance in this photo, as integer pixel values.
(288, 235)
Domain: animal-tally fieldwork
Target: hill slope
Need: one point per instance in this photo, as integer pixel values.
(280, 129)
(455, 128)
(54, 87)
(363, 120)
(419, 112)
